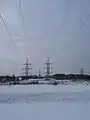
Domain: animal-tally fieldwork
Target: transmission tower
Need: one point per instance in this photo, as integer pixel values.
(82, 71)
(27, 67)
(39, 73)
(48, 68)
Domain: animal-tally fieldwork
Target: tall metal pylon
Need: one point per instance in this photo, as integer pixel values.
(48, 68)
(39, 73)
(27, 68)
(82, 71)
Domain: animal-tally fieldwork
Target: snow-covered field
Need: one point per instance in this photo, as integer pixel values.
(45, 102)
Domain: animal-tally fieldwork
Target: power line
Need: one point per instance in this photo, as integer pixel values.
(22, 18)
(65, 14)
(66, 10)
(19, 16)
(17, 7)
(20, 12)
(82, 24)
(8, 32)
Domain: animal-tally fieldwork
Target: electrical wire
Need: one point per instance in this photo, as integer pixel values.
(8, 32)
(83, 23)
(22, 18)
(66, 12)
(63, 18)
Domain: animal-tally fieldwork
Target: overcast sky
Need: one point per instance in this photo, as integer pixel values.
(59, 29)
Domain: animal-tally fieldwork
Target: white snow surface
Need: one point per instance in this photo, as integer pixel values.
(43, 88)
(45, 102)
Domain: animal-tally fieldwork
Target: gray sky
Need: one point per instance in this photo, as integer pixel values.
(52, 28)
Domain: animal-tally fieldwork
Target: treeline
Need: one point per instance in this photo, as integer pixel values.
(17, 79)
(74, 77)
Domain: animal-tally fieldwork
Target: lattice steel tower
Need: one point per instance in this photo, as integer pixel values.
(27, 67)
(48, 68)
(82, 71)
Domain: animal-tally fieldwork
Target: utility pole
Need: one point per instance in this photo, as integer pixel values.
(48, 68)
(27, 67)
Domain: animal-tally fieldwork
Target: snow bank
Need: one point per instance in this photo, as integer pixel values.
(43, 88)
(67, 110)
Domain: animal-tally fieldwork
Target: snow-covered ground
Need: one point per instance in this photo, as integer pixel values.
(45, 102)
